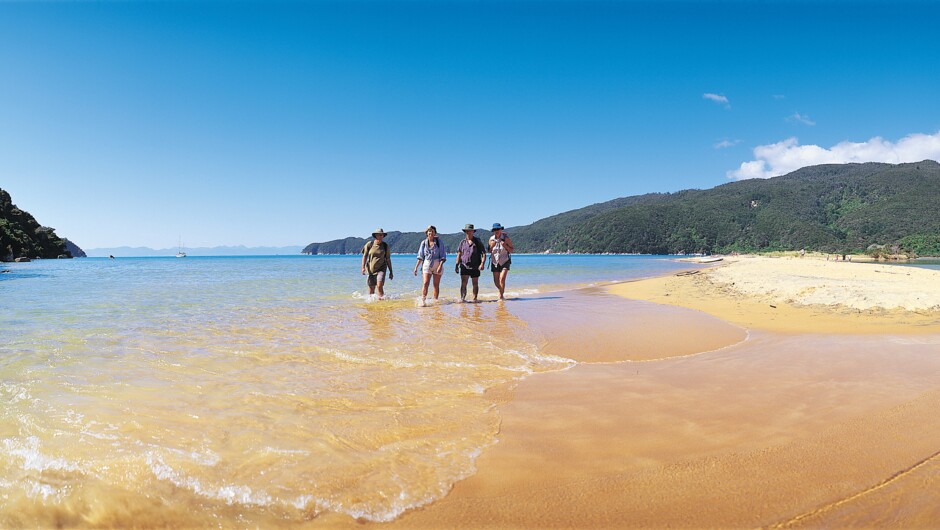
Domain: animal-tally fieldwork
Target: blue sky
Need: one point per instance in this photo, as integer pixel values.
(227, 123)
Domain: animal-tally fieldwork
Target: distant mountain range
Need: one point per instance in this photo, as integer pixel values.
(829, 208)
(240, 250)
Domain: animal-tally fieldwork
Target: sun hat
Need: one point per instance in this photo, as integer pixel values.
(469, 228)
(429, 228)
(497, 226)
(378, 231)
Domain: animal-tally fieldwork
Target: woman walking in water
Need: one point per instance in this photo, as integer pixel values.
(431, 253)
(501, 259)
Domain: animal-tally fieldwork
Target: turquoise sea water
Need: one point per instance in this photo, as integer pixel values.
(255, 390)
(926, 263)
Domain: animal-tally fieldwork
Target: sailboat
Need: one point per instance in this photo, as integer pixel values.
(180, 253)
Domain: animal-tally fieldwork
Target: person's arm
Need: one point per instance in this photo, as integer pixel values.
(420, 258)
(508, 243)
(483, 253)
(365, 255)
(443, 254)
(388, 259)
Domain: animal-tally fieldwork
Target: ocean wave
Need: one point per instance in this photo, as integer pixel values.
(401, 363)
(228, 493)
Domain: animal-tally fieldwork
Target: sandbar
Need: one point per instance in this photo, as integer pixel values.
(803, 295)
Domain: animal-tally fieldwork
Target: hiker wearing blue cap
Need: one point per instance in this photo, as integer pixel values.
(500, 258)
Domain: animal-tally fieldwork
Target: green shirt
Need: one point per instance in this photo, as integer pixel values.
(376, 257)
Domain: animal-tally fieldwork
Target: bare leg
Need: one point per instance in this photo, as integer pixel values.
(500, 278)
(476, 288)
(381, 288)
(437, 285)
(424, 288)
(463, 286)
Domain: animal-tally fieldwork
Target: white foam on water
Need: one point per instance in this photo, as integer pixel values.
(208, 458)
(228, 493)
(302, 502)
(99, 435)
(510, 294)
(33, 459)
(369, 298)
(274, 450)
(36, 489)
(74, 418)
(539, 359)
(14, 393)
(399, 363)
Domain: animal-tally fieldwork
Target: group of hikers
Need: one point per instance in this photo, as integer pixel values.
(471, 260)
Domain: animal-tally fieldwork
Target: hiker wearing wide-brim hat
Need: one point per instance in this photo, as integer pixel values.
(500, 257)
(376, 258)
(471, 259)
(431, 258)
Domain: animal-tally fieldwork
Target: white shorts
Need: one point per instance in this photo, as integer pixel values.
(431, 265)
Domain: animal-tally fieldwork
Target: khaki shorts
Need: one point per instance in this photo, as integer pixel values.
(375, 279)
(431, 265)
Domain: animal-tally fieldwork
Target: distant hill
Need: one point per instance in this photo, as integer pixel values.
(74, 249)
(829, 208)
(239, 250)
(22, 237)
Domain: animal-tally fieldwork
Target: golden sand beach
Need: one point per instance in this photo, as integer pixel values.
(804, 295)
(760, 393)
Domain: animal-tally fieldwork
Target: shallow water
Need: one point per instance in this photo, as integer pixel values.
(265, 391)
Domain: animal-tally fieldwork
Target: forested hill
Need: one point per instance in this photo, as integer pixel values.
(22, 237)
(829, 208)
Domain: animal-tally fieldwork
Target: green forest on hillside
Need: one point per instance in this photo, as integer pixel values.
(829, 208)
(22, 236)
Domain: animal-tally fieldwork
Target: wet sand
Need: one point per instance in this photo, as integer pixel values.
(820, 418)
(752, 436)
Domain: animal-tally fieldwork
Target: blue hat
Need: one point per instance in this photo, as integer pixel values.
(497, 226)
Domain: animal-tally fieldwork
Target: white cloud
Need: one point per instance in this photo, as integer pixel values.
(788, 155)
(724, 144)
(717, 98)
(797, 117)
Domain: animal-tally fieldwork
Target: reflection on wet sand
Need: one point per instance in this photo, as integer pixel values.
(778, 430)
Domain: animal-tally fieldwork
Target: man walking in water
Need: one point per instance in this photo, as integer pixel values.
(376, 258)
(500, 259)
(471, 259)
